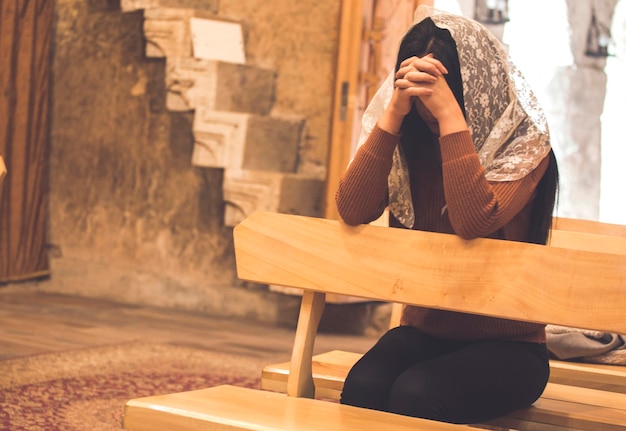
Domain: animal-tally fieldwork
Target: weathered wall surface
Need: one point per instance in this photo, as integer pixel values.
(298, 39)
(130, 218)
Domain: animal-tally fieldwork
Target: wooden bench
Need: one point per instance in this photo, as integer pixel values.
(569, 284)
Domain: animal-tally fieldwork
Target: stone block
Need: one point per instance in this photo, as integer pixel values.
(246, 192)
(132, 5)
(190, 84)
(243, 88)
(301, 195)
(272, 144)
(220, 139)
(218, 40)
(238, 141)
(214, 85)
(211, 6)
(168, 31)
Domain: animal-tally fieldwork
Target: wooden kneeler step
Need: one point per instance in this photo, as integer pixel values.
(331, 368)
(570, 408)
(235, 408)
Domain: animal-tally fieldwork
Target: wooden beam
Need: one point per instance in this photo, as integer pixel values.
(346, 90)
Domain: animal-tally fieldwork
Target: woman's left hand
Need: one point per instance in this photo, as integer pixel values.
(439, 100)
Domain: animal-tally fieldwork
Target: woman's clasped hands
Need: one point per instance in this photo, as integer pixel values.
(421, 81)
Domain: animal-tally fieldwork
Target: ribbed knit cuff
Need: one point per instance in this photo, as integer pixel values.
(456, 146)
(381, 143)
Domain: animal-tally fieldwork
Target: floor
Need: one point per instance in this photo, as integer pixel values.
(33, 322)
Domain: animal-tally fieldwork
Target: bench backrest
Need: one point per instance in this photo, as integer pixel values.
(576, 237)
(564, 284)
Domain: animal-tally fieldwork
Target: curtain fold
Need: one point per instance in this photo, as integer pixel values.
(3, 171)
(25, 59)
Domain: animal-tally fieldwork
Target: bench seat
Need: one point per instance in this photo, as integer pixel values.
(234, 408)
(229, 408)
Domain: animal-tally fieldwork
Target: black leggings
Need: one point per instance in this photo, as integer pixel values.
(412, 374)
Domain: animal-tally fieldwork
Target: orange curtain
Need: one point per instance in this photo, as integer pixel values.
(25, 69)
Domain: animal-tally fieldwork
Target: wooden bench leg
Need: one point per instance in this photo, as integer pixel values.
(300, 381)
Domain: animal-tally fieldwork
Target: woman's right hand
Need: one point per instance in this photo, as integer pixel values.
(414, 78)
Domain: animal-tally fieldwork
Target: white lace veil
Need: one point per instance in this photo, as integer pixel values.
(508, 127)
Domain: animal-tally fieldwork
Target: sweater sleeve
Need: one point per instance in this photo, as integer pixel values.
(477, 207)
(362, 194)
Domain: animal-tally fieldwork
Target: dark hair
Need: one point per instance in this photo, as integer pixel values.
(426, 38)
(546, 199)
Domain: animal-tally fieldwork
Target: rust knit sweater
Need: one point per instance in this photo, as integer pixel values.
(450, 195)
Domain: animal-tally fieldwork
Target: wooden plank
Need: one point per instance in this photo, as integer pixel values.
(515, 280)
(587, 241)
(589, 226)
(235, 408)
(565, 414)
(585, 396)
(610, 378)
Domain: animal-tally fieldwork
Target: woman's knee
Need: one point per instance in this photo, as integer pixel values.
(418, 399)
(363, 389)
(373, 374)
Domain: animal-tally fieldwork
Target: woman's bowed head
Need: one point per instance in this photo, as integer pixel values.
(454, 141)
(421, 83)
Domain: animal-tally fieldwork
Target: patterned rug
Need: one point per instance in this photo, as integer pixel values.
(85, 390)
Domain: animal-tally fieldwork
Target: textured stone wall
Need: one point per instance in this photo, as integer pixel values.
(131, 218)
